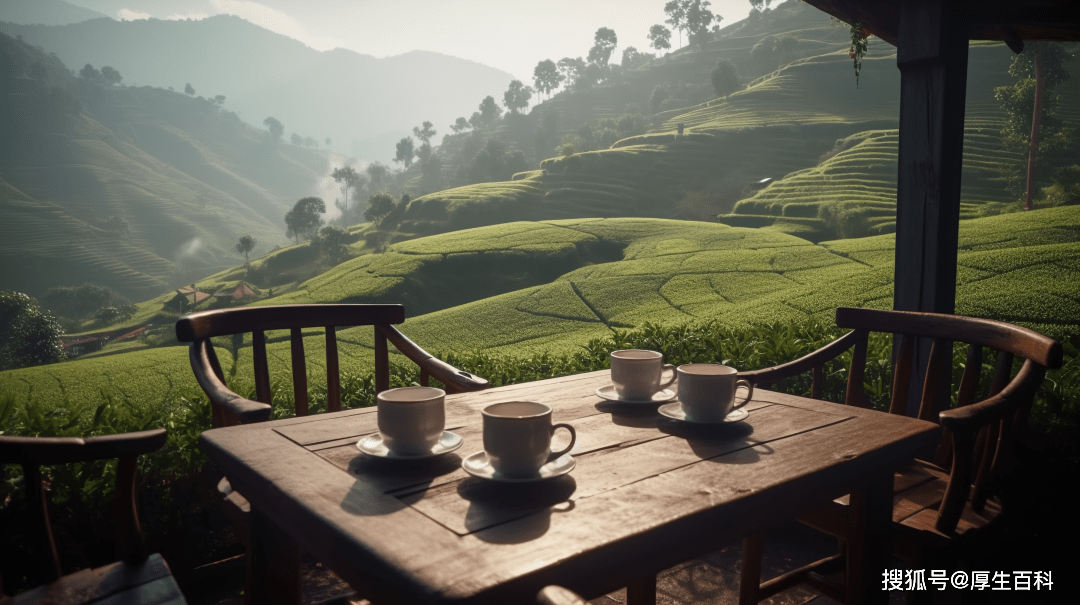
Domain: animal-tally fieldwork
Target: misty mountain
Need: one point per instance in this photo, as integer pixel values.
(136, 188)
(45, 12)
(362, 103)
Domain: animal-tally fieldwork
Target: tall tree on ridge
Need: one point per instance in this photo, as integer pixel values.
(275, 127)
(347, 178)
(517, 96)
(246, 245)
(604, 43)
(1032, 126)
(405, 151)
(546, 76)
(676, 12)
(304, 217)
(660, 37)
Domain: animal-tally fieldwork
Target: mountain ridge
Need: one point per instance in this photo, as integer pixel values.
(302, 87)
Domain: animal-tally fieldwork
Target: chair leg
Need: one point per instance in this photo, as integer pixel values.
(750, 579)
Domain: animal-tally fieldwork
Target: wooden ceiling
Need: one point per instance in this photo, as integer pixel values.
(1005, 20)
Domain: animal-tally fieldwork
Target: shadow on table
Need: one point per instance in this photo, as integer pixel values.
(368, 497)
(711, 441)
(510, 513)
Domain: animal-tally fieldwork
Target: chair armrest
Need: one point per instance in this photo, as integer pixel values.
(769, 376)
(456, 381)
(557, 595)
(62, 450)
(970, 418)
(244, 411)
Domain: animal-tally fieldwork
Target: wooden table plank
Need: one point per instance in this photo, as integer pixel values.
(472, 505)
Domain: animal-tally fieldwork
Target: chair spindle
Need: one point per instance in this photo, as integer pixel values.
(299, 372)
(854, 395)
(817, 382)
(905, 359)
(938, 365)
(1001, 373)
(262, 368)
(39, 505)
(382, 362)
(333, 381)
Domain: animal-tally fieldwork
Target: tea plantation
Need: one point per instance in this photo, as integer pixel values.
(1020, 267)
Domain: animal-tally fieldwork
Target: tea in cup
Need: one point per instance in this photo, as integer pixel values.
(517, 437)
(411, 419)
(707, 391)
(636, 374)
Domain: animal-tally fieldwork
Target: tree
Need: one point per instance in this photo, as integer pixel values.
(698, 20)
(604, 42)
(489, 111)
(90, 74)
(275, 127)
(379, 205)
(571, 69)
(660, 37)
(546, 76)
(188, 89)
(517, 96)
(405, 151)
(347, 178)
(304, 218)
(460, 125)
(246, 245)
(725, 78)
(757, 4)
(424, 132)
(332, 244)
(296, 139)
(632, 59)
(1032, 127)
(377, 172)
(110, 76)
(219, 99)
(80, 302)
(29, 336)
(676, 12)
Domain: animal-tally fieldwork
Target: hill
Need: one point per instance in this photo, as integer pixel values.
(1018, 267)
(362, 103)
(45, 12)
(138, 189)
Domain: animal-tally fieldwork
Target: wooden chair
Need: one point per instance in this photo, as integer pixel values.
(939, 507)
(138, 577)
(230, 408)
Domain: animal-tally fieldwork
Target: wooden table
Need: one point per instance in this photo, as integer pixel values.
(648, 493)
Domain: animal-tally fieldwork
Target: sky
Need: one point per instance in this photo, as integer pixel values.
(512, 35)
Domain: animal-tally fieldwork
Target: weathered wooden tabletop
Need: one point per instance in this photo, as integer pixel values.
(647, 493)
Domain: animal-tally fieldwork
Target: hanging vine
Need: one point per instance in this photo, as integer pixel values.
(859, 44)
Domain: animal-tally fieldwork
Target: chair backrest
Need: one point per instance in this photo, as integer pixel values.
(34, 452)
(230, 408)
(979, 432)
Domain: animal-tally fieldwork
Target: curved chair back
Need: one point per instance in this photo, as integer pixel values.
(34, 452)
(980, 430)
(230, 408)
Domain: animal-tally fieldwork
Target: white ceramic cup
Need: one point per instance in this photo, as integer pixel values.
(411, 419)
(517, 437)
(636, 374)
(707, 391)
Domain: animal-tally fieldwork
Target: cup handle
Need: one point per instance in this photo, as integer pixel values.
(749, 392)
(674, 374)
(573, 440)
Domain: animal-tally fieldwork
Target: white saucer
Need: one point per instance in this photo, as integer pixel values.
(478, 465)
(608, 392)
(674, 410)
(373, 445)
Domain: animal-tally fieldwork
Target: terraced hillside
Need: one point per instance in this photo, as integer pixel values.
(1022, 267)
(132, 188)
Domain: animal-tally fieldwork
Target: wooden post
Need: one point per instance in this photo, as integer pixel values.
(932, 54)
